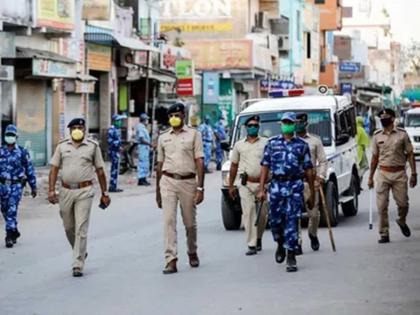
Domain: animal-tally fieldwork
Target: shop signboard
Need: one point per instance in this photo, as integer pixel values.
(221, 54)
(273, 84)
(185, 75)
(210, 87)
(97, 10)
(170, 55)
(99, 57)
(57, 14)
(50, 68)
(347, 66)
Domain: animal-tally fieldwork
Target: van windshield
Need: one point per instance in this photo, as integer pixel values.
(319, 124)
(413, 120)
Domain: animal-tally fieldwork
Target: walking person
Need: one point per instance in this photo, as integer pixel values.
(245, 159)
(391, 149)
(144, 145)
(114, 148)
(78, 158)
(289, 160)
(220, 135)
(207, 137)
(180, 179)
(320, 165)
(15, 168)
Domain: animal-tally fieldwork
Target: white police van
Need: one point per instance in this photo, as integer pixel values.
(412, 126)
(333, 119)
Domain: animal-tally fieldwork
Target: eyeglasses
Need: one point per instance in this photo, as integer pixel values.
(253, 125)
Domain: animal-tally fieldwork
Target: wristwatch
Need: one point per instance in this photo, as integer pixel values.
(200, 189)
(105, 194)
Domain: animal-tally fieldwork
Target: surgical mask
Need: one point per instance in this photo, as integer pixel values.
(300, 127)
(252, 131)
(287, 129)
(118, 123)
(77, 134)
(386, 121)
(175, 121)
(10, 139)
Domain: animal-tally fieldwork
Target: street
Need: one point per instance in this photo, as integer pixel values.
(123, 273)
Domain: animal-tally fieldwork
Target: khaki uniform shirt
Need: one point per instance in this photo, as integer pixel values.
(248, 156)
(319, 160)
(178, 151)
(391, 148)
(78, 164)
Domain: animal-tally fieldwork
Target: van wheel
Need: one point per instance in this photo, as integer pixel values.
(231, 217)
(350, 208)
(332, 205)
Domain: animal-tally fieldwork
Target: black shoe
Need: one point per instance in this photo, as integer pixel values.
(219, 167)
(314, 242)
(405, 230)
(115, 190)
(299, 250)
(252, 250)
(146, 183)
(291, 262)
(280, 254)
(77, 272)
(207, 171)
(384, 239)
(259, 245)
(15, 235)
(170, 268)
(9, 239)
(140, 182)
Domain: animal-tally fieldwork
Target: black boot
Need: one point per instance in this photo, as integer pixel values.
(219, 167)
(9, 239)
(299, 250)
(259, 244)
(291, 262)
(314, 242)
(280, 254)
(15, 235)
(251, 251)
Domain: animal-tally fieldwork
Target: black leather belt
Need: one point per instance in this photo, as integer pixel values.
(4, 181)
(177, 176)
(285, 178)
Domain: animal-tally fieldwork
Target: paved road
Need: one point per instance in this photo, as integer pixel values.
(123, 271)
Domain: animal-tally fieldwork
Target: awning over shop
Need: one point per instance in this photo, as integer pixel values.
(22, 53)
(162, 76)
(106, 37)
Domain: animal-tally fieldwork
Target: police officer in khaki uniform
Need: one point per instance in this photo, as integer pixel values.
(391, 149)
(246, 157)
(78, 158)
(180, 178)
(320, 163)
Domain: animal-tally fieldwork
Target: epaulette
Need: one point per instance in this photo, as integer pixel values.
(401, 129)
(377, 131)
(63, 140)
(165, 131)
(96, 143)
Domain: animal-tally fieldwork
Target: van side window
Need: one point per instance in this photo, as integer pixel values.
(350, 117)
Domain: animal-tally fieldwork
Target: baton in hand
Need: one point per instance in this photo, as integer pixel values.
(370, 208)
(327, 218)
(259, 208)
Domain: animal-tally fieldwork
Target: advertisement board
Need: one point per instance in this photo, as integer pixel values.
(58, 14)
(97, 10)
(210, 87)
(185, 75)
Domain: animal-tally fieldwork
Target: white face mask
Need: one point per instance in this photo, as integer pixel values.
(10, 139)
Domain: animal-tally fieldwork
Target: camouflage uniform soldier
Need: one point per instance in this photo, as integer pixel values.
(114, 147)
(289, 160)
(15, 165)
(207, 136)
(391, 148)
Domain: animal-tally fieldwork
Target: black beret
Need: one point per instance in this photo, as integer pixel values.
(177, 107)
(302, 116)
(76, 121)
(388, 111)
(254, 117)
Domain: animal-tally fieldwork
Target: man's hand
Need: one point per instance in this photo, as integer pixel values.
(232, 192)
(199, 197)
(105, 200)
(413, 180)
(371, 183)
(158, 198)
(33, 193)
(52, 197)
(311, 202)
(261, 196)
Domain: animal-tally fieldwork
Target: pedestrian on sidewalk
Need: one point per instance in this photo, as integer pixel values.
(320, 164)
(289, 160)
(180, 178)
(15, 168)
(246, 157)
(207, 138)
(114, 148)
(78, 158)
(391, 149)
(144, 145)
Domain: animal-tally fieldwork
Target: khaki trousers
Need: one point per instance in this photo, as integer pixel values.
(75, 206)
(397, 182)
(313, 214)
(248, 195)
(172, 192)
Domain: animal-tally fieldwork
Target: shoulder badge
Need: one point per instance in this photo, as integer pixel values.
(165, 131)
(377, 131)
(401, 129)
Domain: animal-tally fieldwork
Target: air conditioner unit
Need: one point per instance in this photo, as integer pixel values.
(284, 43)
(261, 20)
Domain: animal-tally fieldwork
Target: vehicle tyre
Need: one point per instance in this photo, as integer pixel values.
(231, 217)
(350, 208)
(332, 204)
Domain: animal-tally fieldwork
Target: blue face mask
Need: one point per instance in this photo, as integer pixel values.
(252, 131)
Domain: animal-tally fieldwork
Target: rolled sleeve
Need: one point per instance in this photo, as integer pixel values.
(160, 152)
(56, 158)
(235, 154)
(408, 146)
(99, 161)
(198, 146)
(266, 159)
(375, 149)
